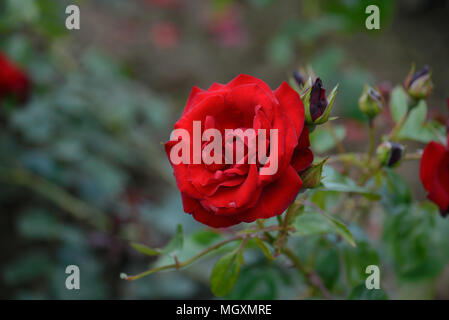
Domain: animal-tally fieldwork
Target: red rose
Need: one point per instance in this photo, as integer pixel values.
(13, 82)
(221, 195)
(434, 174)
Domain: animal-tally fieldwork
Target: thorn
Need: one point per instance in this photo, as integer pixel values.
(178, 265)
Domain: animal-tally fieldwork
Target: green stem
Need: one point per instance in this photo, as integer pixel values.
(311, 277)
(351, 159)
(413, 156)
(338, 143)
(285, 226)
(185, 263)
(371, 141)
(370, 174)
(245, 237)
(397, 128)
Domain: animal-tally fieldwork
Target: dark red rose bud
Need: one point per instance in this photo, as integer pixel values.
(390, 153)
(396, 154)
(420, 73)
(419, 84)
(318, 101)
(370, 102)
(14, 82)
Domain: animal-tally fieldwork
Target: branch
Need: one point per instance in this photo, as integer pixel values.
(285, 226)
(312, 278)
(372, 138)
(338, 143)
(398, 126)
(177, 265)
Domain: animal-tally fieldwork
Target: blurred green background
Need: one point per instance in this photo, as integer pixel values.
(83, 171)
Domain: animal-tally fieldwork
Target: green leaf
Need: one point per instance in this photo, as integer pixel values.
(205, 237)
(415, 127)
(225, 273)
(322, 140)
(258, 282)
(395, 192)
(176, 243)
(145, 249)
(311, 223)
(417, 259)
(264, 248)
(334, 181)
(340, 228)
(398, 103)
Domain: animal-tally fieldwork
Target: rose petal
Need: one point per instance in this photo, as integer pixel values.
(191, 100)
(238, 196)
(302, 159)
(275, 198)
(439, 191)
(292, 105)
(215, 221)
(432, 156)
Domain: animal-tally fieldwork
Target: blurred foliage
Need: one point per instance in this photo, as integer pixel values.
(91, 134)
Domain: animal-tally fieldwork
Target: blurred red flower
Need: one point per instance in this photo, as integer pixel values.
(13, 81)
(434, 173)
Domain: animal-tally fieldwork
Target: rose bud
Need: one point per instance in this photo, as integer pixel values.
(318, 101)
(419, 84)
(311, 177)
(317, 105)
(370, 102)
(390, 154)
